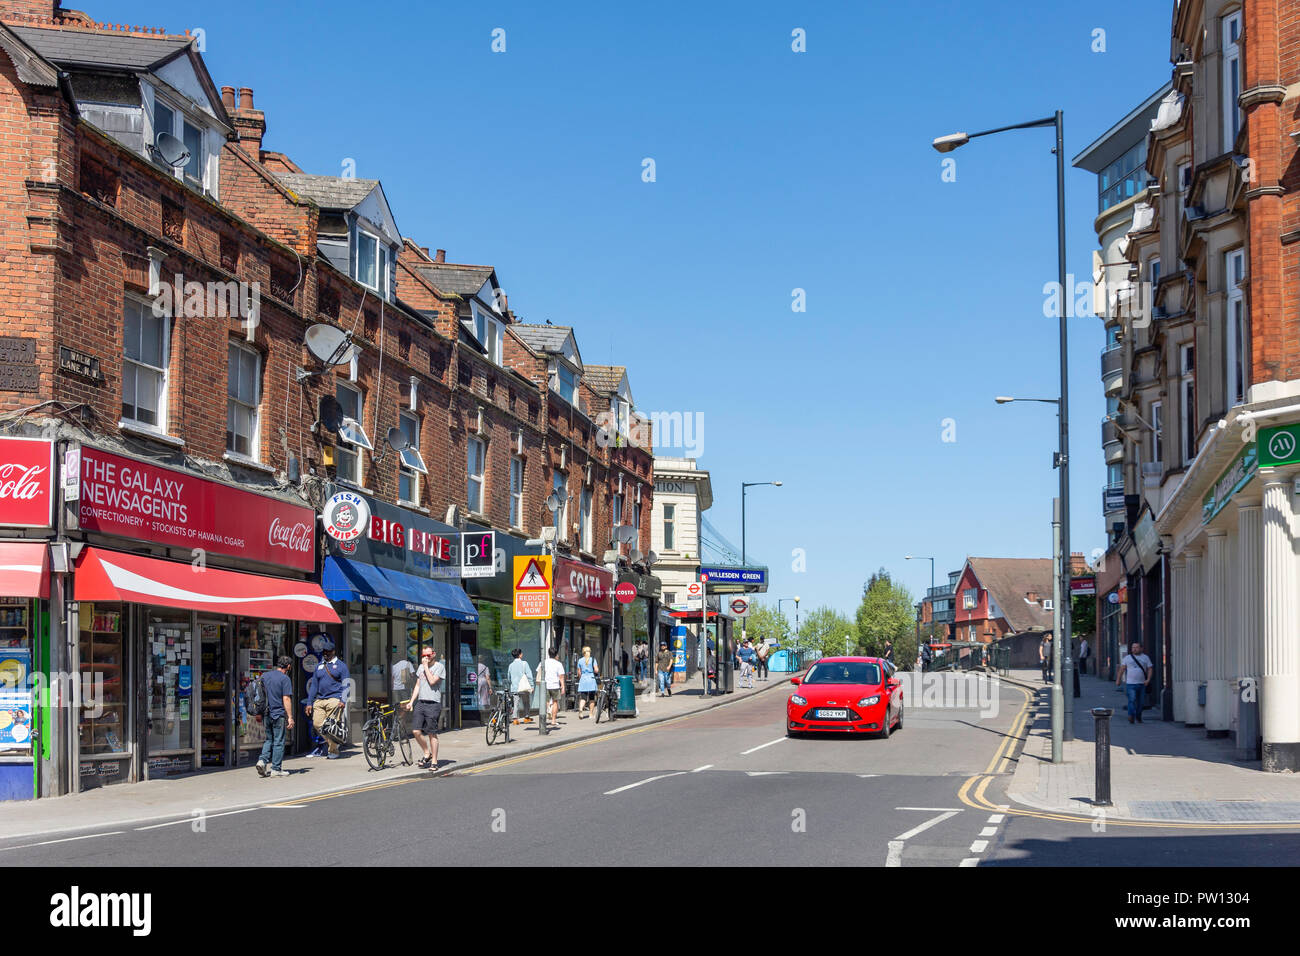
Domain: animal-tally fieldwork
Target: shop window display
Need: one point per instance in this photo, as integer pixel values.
(16, 711)
(260, 645)
(169, 679)
(103, 726)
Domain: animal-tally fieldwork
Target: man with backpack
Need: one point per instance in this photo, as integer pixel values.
(273, 692)
(1135, 671)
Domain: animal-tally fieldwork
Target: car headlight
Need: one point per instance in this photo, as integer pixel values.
(797, 700)
(869, 701)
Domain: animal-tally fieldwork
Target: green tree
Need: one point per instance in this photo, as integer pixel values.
(824, 633)
(887, 613)
(1083, 615)
(764, 622)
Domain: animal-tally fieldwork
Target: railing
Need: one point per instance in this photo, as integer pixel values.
(1109, 431)
(1112, 361)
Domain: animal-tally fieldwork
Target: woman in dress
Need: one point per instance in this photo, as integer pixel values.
(587, 673)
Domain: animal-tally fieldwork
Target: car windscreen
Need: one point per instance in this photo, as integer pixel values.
(846, 673)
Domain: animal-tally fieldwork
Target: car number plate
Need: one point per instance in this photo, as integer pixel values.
(832, 713)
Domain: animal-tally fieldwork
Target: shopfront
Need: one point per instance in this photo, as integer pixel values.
(584, 616)
(26, 508)
(165, 648)
(484, 653)
(394, 575)
(638, 620)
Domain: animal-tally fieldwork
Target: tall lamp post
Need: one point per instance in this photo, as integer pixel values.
(946, 144)
(745, 486)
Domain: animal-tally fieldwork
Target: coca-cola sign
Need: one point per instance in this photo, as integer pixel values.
(145, 502)
(26, 483)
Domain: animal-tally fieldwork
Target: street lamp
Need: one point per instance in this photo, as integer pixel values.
(745, 486)
(547, 542)
(946, 144)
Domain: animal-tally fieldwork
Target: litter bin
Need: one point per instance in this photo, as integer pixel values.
(626, 697)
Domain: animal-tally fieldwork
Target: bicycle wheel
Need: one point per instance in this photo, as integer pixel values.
(376, 750)
(505, 723)
(404, 742)
(600, 704)
(492, 728)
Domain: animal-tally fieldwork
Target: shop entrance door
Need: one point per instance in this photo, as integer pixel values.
(467, 673)
(216, 695)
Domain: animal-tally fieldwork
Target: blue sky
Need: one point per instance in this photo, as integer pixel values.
(775, 171)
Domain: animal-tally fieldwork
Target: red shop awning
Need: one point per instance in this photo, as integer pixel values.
(25, 569)
(116, 576)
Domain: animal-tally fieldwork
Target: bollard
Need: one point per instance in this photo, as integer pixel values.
(1102, 716)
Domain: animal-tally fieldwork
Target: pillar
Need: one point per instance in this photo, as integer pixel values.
(1178, 635)
(1215, 634)
(1279, 706)
(1250, 623)
(1193, 709)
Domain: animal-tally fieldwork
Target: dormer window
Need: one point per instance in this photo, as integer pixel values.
(564, 381)
(168, 118)
(487, 330)
(372, 262)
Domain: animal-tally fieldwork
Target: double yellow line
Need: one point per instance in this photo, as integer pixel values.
(972, 793)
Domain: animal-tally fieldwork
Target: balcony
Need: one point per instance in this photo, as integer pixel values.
(1112, 498)
(1112, 442)
(1112, 369)
(940, 591)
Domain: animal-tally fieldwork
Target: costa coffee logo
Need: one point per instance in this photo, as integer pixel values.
(586, 585)
(346, 516)
(295, 537)
(20, 482)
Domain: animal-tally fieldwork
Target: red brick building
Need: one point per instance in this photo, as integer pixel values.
(1000, 596)
(161, 272)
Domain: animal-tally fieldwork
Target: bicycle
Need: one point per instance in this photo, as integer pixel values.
(606, 698)
(384, 735)
(498, 721)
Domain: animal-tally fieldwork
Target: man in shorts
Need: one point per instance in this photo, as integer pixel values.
(552, 674)
(426, 706)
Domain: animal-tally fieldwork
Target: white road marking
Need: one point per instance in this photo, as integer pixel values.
(932, 809)
(997, 818)
(895, 857)
(864, 776)
(287, 806)
(705, 767)
(88, 836)
(761, 746)
(970, 861)
(925, 826)
(206, 816)
(989, 831)
(610, 793)
(764, 773)
(979, 846)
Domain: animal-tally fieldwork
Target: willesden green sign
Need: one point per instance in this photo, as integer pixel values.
(1235, 477)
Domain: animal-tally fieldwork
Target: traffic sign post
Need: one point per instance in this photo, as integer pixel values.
(704, 627)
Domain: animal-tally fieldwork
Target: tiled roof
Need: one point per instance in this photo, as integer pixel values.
(453, 278)
(1009, 581)
(543, 338)
(92, 48)
(604, 378)
(328, 192)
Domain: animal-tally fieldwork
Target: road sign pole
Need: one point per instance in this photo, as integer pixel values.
(704, 628)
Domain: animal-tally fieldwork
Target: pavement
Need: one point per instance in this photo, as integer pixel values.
(1160, 770)
(237, 789)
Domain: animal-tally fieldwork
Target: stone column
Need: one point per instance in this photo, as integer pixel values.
(1250, 623)
(1193, 709)
(1215, 634)
(1279, 703)
(1178, 635)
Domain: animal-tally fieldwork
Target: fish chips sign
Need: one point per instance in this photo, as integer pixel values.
(134, 499)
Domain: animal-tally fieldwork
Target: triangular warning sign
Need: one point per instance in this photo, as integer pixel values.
(533, 578)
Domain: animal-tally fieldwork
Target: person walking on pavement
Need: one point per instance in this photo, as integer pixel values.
(761, 652)
(326, 693)
(1045, 658)
(521, 686)
(927, 654)
(1084, 651)
(746, 656)
(425, 706)
(587, 674)
(551, 675)
(664, 667)
(278, 719)
(1135, 671)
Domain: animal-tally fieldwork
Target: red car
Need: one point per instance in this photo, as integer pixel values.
(851, 695)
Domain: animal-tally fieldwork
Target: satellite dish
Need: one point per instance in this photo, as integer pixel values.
(329, 345)
(652, 557)
(625, 533)
(552, 502)
(636, 555)
(171, 150)
(397, 440)
(331, 413)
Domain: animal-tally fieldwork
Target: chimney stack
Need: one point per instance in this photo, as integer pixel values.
(228, 98)
(441, 256)
(250, 123)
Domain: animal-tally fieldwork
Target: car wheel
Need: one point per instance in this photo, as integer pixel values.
(884, 724)
(792, 733)
(899, 725)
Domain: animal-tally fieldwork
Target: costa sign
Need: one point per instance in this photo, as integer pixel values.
(583, 584)
(26, 483)
(133, 499)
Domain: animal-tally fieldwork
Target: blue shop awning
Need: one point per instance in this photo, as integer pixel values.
(346, 580)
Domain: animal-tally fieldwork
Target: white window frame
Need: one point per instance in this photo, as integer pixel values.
(970, 599)
(1157, 433)
(670, 527)
(253, 411)
(128, 363)
(1234, 266)
(346, 436)
(557, 383)
(380, 285)
(181, 119)
(412, 462)
(516, 492)
(584, 518)
(490, 332)
(560, 488)
(1232, 118)
(1153, 272)
(615, 516)
(1187, 396)
(474, 480)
